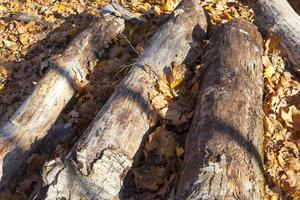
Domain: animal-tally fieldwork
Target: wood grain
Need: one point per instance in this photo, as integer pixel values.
(95, 167)
(39, 111)
(223, 149)
(279, 18)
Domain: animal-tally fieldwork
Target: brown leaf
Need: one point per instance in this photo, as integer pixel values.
(35, 162)
(150, 179)
(274, 41)
(293, 163)
(162, 143)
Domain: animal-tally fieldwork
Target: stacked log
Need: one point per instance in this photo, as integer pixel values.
(224, 146)
(277, 17)
(32, 120)
(94, 168)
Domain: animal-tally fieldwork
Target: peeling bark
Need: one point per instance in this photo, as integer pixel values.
(106, 150)
(278, 17)
(223, 150)
(40, 110)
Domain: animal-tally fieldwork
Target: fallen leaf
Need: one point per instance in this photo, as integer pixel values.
(164, 88)
(293, 163)
(179, 151)
(162, 143)
(159, 102)
(176, 76)
(150, 179)
(274, 41)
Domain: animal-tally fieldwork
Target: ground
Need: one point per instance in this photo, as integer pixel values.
(33, 31)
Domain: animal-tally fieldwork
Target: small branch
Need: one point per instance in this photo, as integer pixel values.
(114, 8)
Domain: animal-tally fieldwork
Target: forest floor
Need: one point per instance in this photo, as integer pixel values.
(31, 31)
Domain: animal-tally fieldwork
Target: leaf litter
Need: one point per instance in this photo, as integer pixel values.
(33, 31)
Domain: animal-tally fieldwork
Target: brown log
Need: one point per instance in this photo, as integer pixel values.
(279, 18)
(95, 168)
(223, 156)
(40, 110)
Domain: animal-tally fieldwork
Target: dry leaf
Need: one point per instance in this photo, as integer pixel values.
(293, 163)
(173, 115)
(274, 41)
(176, 76)
(164, 88)
(159, 102)
(291, 117)
(179, 151)
(24, 38)
(162, 143)
(150, 179)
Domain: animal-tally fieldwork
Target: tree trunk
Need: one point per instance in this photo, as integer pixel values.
(278, 17)
(223, 156)
(95, 168)
(38, 113)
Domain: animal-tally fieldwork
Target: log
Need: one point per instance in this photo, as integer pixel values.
(279, 18)
(96, 166)
(223, 149)
(40, 110)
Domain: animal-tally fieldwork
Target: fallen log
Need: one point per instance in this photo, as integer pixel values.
(223, 149)
(40, 110)
(279, 18)
(96, 166)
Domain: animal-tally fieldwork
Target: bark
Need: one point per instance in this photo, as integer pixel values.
(95, 168)
(223, 150)
(40, 110)
(278, 17)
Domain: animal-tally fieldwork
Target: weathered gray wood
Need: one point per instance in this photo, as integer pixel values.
(223, 150)
(40, 110)
(279, 17)
(95, 168)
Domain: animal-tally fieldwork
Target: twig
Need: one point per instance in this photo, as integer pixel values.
(23, 17)
(130, 44)
(114, 8)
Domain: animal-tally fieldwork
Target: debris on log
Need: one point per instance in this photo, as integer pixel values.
(39, 112)
(224, 146)
(96, 166)
(278, 18)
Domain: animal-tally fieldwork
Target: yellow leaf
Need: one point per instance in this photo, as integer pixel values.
(50, 18)
(208, 8)
(3, 8)
(169, 5)
(269, 72)
(164, 88)
(24, 38)
(159, 102)
(176, 76)
(15, 8)
(216, 19)
(269, 69)
(61, 8)
(227, 16)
